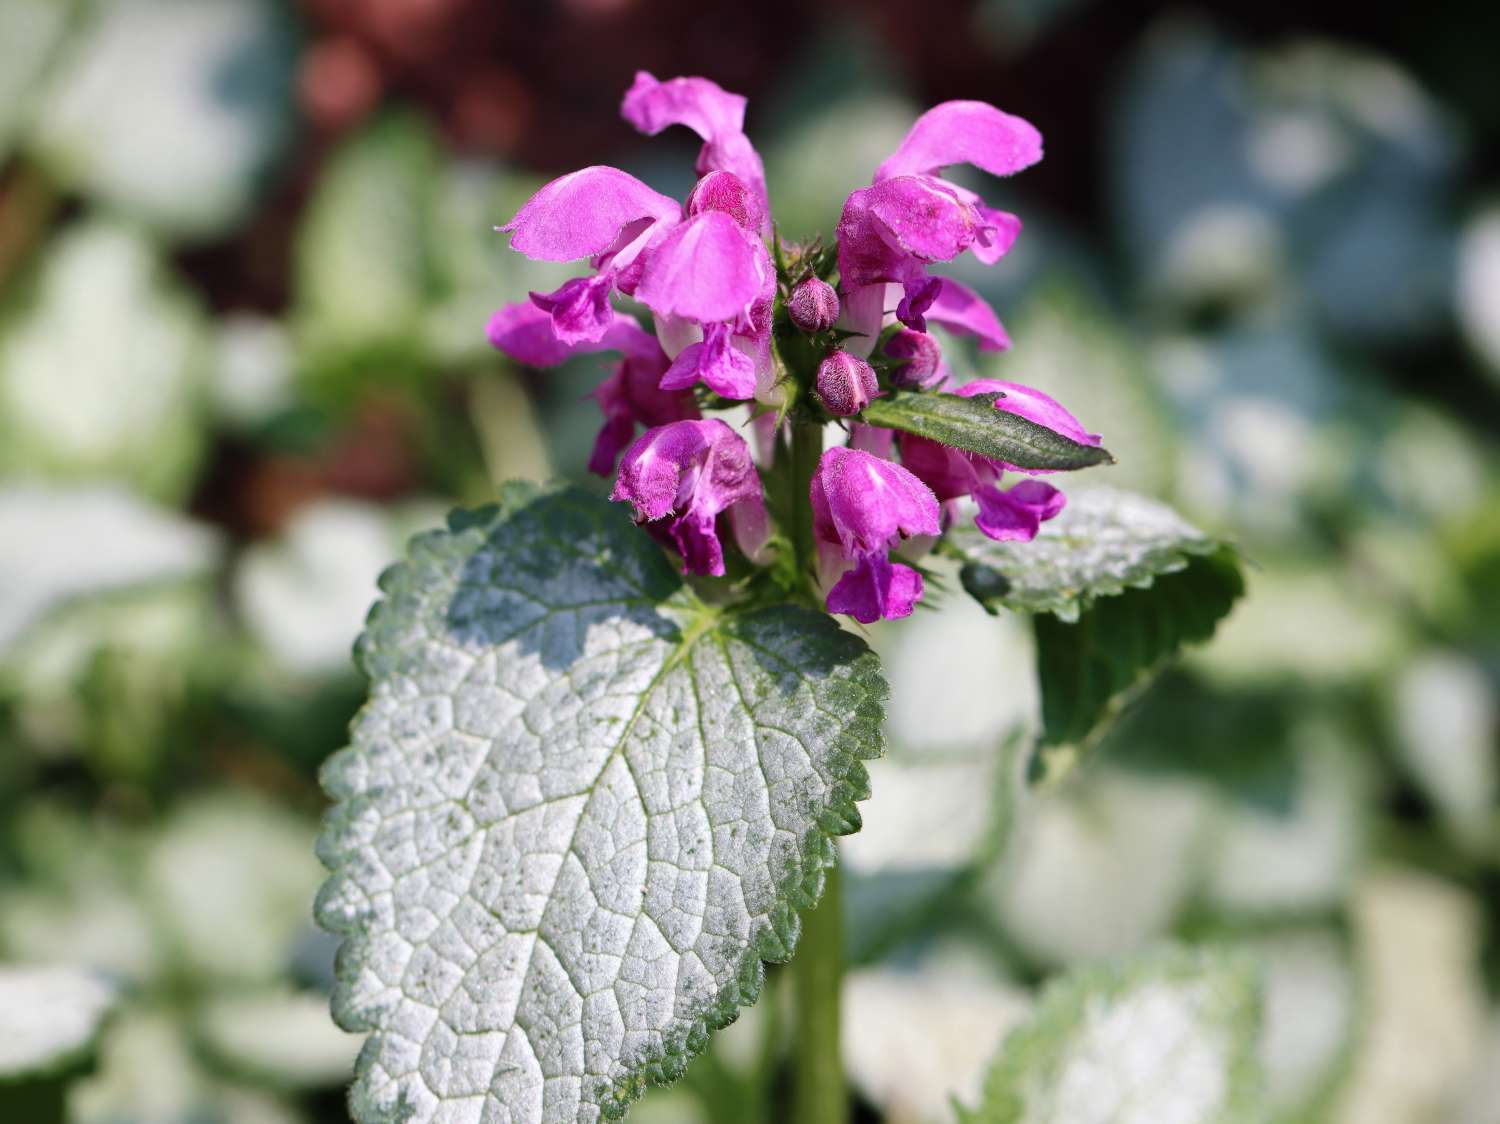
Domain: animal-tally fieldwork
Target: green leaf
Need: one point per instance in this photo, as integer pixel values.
(363, 272)
(1119, 583)
(1104, 542)
(1091, 668)
(49, 1018)
(183, 143)
(60, 545)
(975, 425)
(101, 367)
(580, 808)
(1169, 1036)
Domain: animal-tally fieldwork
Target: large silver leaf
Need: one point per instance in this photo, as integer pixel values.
(579, 810)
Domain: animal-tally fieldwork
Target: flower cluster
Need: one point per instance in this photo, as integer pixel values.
(805, 334)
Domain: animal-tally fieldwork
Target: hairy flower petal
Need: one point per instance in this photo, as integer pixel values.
(707, 269)
(582, 214)
(876, 589)
(710, 111)
(525, 333)
(715, 362)
(964, 132)
(679, 477)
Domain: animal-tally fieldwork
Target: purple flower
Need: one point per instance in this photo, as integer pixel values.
(679, 477)
(862, 507)
(714, 114)
(911, 218)
(846, 383)
(628, 397)
(703, 270)
(813, 305)
(1005, 514)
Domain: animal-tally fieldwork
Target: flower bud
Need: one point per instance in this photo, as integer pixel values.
(846, 384)
(924, 358)
(813, 305)
(725, 192)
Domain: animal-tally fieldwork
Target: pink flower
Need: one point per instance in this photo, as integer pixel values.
(703, 269)
(680, 477)
(911, 218)
(862, 507)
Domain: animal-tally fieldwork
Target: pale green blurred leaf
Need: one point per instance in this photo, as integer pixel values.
(60, 544)
(30, 34)
(49, 1017)
(170, 110)
(148, 1074)
(277, 1037)
(1169, 1036)
(230, 879)
(363, 271)
(101, 369)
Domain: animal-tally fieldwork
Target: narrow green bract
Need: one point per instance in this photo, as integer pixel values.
(580, 808)
(974, 425)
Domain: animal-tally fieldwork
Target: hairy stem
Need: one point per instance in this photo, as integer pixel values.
(806, 448)
(818, 1092)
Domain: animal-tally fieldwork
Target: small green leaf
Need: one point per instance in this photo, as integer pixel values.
(1091, 668)
(1104, 542)
(975, 425)
(1169, 1036)
(1119, 583)
(580, 808)
(49, 1018)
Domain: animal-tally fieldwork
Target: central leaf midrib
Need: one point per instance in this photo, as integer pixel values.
(707, 620)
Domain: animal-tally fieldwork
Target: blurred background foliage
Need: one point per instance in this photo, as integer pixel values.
(245, 261)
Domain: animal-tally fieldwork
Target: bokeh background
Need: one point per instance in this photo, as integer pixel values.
(245, 261)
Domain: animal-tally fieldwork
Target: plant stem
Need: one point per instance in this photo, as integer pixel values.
(806, 449)
(818, 1093)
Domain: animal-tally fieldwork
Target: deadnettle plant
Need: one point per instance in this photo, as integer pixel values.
(609, 744)
(791, 330)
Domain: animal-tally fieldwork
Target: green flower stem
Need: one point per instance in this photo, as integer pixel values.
(818, 1092)
(806, 449)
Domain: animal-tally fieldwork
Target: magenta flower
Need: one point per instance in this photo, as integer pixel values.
(680, 477)
(703, 269)
(1005, 514)
(911, 218)
(631, 395)
(862, 507)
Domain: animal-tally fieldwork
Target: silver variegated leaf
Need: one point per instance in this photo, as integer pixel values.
(580, 808)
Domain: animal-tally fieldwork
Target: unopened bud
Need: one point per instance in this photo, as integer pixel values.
(923, 355)
(813, 305)
(726, 192)
(846, 384)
